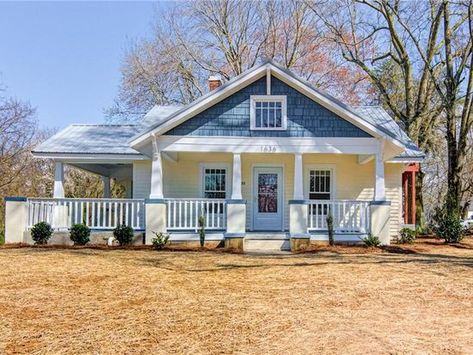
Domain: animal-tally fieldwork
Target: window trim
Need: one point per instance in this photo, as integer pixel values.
(268, 98)
(333, 178)
(228, 175)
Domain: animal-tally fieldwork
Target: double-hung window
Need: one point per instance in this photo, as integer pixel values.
(214, 187)
(215, 182)
(320, 184)
(268, 112)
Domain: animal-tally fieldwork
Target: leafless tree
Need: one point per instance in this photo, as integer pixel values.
(397, 44)
(193, 40)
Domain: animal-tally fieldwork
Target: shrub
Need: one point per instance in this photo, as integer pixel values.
(371, 241)
(160, 240)
(202, 230)
(2, 235)
(123, 234)
(447, 223)
(41, 232)
(80, 234)
(407, 236)
(331, 240)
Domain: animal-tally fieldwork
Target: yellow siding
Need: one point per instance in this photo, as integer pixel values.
(141, 179)
(182, 179)
(393, 181)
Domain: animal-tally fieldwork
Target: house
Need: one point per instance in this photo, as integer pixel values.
(263, 157)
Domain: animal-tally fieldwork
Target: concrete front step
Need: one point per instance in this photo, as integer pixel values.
(266, 243)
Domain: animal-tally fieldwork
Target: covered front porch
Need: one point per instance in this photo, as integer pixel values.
(239, 189)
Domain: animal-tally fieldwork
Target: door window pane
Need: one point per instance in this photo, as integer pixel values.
(268, 193)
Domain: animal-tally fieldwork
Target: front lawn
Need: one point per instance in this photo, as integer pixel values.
(142, 301)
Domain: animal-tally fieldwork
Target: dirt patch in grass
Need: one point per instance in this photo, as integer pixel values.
(85, 300)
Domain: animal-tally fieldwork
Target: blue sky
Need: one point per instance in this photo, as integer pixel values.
(64, 58)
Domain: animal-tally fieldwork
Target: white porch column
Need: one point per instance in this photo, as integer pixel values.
(59, 180)
(156, 173)
(298, 177)
(236, 180)
(106, 187)
(380, 189)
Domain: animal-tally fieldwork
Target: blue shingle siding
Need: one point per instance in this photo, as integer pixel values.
(231, 117)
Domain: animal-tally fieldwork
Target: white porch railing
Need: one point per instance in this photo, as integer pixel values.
(183, 214)
(95, 213)
(348, 216)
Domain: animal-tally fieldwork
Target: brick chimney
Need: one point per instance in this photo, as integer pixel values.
(214, 82)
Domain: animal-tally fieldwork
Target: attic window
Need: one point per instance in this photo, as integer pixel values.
(268, 112)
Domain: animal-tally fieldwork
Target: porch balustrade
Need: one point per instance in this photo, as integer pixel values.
(183, 214)
(95, 213)
(348, 216)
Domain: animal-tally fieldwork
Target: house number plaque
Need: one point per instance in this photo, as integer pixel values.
(269, 149)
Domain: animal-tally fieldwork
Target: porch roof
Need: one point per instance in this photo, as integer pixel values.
(379, 117)
(91, 139)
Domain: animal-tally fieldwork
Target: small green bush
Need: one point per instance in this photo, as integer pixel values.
(331, 240)
(371, 241)
(407, 236)
(160, 240)
(447, 224)
(123, 234)
(2, 235)
(202, 230)
(41, 232)
(80, 234)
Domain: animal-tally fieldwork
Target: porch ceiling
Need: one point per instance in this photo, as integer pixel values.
(119, 170)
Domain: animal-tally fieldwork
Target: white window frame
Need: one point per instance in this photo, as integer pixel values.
(204, 166)
(333, 180)
(268, 98)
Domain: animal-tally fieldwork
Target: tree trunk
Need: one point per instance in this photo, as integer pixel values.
(454, 168)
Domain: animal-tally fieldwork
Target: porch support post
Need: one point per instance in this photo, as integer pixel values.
(380, 209)
(236, 210)
(156, 173)
(413, 197)
(380, 189)
(59, 180)
(106, 187)
(298, 177)
(380, 221)
(155, 218)
(16, 214)
(236, 180)
(298, 210)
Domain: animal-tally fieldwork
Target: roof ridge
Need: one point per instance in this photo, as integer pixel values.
(103, 124)
(367, 106)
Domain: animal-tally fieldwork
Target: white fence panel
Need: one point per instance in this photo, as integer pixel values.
(183, 214)
(95, 213)
(348, 216)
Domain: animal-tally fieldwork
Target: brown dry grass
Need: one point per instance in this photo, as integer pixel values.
(142, 301)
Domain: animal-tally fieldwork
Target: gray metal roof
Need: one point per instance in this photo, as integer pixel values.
(374, 115)
(113, 139)
(82, 138)
(378, 116)
(157, 115)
